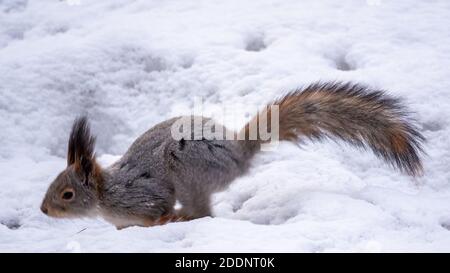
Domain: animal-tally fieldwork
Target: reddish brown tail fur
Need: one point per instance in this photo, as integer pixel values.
(355, 114)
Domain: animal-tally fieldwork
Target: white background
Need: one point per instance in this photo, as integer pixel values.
(131, 64)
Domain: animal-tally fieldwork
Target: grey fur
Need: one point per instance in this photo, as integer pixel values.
(157, 170)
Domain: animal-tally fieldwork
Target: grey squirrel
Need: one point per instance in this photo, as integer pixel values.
(142, 187)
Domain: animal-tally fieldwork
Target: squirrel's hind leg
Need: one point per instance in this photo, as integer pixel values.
(194, 205)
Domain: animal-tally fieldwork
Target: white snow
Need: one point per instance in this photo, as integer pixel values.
(131, 64)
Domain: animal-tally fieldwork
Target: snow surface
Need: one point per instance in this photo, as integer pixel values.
(131, 64)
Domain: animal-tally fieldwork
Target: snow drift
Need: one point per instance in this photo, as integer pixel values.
(131, 64)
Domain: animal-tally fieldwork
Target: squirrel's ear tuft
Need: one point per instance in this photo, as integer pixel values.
(81, 146)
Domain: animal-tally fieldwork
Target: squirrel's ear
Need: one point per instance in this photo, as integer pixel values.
(81, 146)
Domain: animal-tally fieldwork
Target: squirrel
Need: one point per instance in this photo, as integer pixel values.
(157, 171)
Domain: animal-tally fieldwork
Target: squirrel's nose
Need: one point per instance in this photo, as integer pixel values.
(44, 209)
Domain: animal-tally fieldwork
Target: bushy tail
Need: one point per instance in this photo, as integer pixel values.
(353, 113)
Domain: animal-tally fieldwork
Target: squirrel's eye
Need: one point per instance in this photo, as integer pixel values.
(67, 195)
